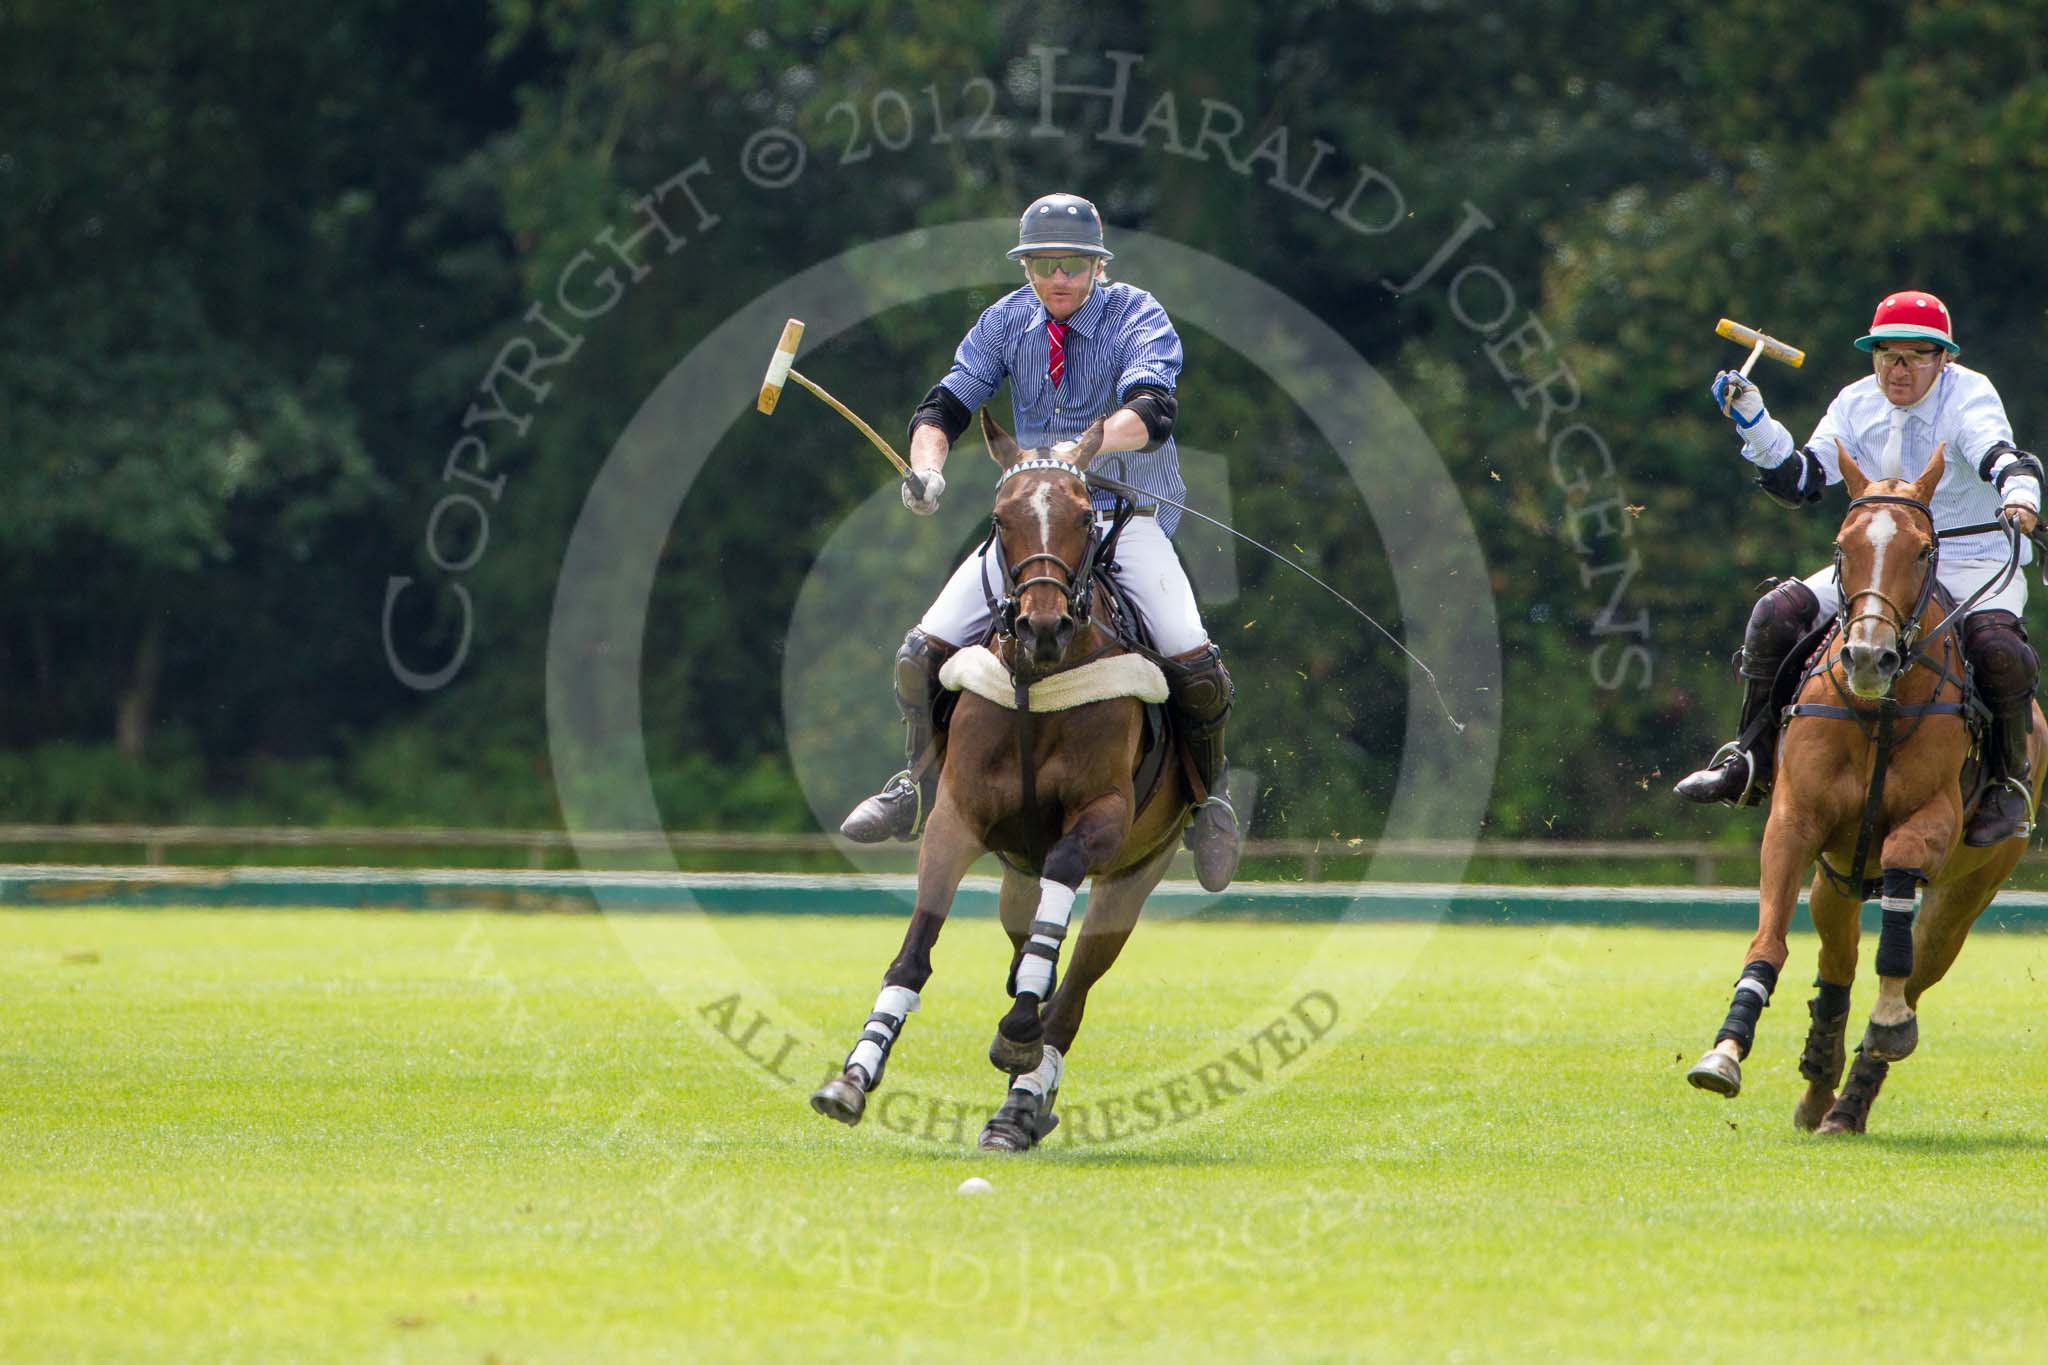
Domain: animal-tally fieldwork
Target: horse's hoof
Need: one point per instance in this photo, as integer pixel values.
(1835, 1124)
(1022, 1123)
(840, 1098)
(1892, 1042)
(1013, 1058)
(1717, 1072)
(1812, 1109)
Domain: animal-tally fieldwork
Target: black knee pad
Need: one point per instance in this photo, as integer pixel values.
(917, 671)
(1777, 621)
(2001, 658)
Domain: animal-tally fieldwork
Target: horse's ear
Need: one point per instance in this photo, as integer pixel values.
(1923, 487)
(1002, 447)
(1086, 446)
(1852, 473)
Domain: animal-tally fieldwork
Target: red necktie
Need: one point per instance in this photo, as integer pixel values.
(1056, 356)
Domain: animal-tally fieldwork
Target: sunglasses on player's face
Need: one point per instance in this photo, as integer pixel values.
(1886, 359)
(1045, 266)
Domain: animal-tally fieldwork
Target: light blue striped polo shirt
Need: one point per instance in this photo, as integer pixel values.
(1120, 338)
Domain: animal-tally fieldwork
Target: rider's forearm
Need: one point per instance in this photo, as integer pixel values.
(928, 448)
(1124, 430)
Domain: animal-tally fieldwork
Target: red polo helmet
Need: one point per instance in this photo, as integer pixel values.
(1911, 315)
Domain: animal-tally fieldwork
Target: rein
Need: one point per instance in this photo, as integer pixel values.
(1076, 583)
(1119, 487)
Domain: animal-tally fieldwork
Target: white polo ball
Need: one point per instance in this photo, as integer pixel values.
(974, 1184)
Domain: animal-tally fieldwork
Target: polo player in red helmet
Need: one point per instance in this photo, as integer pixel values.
(1890, 422)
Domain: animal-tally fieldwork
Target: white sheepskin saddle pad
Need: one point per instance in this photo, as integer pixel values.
(977, 670)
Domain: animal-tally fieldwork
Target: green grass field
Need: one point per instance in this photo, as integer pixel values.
(234, 1136)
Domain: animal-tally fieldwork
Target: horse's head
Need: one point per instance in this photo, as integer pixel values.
(1044, 524)
(1885, 561)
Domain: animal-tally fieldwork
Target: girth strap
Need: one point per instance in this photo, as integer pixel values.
(1034, 859)
(1853, 884)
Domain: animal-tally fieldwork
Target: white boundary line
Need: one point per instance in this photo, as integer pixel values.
(520, 879)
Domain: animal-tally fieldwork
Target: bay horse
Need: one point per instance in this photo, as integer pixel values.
(1051, 792)
(1872, 764)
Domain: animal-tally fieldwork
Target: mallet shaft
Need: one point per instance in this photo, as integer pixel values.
(916, 481)
(850, 416)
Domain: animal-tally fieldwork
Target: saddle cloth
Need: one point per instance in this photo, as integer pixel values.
(976, 669)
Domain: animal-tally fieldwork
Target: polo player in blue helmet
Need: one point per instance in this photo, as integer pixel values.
(1074, 347)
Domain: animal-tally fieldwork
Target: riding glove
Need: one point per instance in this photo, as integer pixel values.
(934, 486)
(1735, 395)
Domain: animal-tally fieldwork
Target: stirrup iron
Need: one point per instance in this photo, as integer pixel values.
(2025, 828)
(1734, 749)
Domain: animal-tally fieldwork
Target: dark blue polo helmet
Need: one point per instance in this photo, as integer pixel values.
(1060, 222)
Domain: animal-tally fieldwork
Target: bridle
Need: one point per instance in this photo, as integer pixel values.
(1913, 647)
(1075, 582)
(1906, 625)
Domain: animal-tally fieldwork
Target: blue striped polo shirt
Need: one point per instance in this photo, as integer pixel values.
(1120, 338)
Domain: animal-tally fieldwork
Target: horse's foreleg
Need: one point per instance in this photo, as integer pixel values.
(1027, 1113)
(944, 856)
(1092, 838)
(1913, 853)
(1788, 850)
(1836, 918)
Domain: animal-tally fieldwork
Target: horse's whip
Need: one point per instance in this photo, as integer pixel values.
(1109, 484)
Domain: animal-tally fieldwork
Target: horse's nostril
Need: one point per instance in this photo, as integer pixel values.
(1887, 660)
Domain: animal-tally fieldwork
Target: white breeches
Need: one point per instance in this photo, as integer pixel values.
(1147, 569)
(1961, 579)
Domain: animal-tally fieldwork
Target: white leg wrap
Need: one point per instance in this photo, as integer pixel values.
(1055, 907)
(1046, 1078)
(900, 1001)
(1755, 988)
(896, 1003)
(1906, 903)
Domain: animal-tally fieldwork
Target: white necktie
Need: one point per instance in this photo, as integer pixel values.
(1890, 465)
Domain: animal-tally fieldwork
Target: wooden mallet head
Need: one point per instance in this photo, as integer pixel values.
(1759, 345)
(778, 367)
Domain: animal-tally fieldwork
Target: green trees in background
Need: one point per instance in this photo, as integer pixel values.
(258, 260)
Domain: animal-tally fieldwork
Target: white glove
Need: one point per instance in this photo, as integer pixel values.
(1735, 395)
(934, 489)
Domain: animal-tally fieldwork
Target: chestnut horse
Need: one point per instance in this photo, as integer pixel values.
(1871, 771)
(1071, 814)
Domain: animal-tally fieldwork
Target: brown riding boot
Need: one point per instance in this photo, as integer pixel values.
(898, 810)
(1199, 692)
(2004, 666)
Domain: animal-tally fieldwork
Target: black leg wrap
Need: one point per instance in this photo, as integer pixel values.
(1895, 944)
(1822, 1059)
(1748, 1005)
(1902, 883)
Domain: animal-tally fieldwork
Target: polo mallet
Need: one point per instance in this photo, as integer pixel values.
(1759, 345)
(780, 370)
